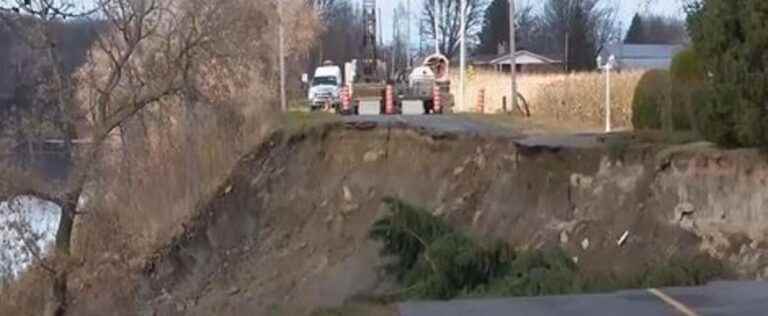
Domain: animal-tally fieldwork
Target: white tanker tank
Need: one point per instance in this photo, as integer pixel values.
(419, 97)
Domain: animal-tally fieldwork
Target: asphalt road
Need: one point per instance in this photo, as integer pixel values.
(717, 299)
(437, 123)
(467, 126)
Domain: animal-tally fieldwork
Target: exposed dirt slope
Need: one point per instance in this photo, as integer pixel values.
(288, 232)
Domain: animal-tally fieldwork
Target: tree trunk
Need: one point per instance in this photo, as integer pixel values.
(57, 303)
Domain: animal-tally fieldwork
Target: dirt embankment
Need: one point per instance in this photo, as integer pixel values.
(288, 232)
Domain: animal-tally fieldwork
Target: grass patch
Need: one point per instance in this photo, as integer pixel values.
(434, 261)
(295, 121)
(531, 125)
(356, 310)
(667, 138)
(617, 147)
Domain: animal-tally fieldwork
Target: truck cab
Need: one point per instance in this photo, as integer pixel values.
(325, 86)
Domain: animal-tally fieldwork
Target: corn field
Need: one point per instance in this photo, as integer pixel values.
(567, 97)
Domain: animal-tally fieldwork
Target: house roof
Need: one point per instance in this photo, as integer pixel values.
(644, 56)
(523, 57)
(483, 59)
(644, 51)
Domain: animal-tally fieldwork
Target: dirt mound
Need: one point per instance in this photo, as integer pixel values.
(288, 233)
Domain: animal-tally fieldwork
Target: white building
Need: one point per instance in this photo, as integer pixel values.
(526, 62)
(636, 56)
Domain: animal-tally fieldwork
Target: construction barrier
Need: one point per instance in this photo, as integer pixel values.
(437, 100)
(481, 101)
(327, 106)
(389, 100)
(346, 100)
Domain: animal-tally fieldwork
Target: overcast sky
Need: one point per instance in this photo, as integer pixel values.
(627, 9)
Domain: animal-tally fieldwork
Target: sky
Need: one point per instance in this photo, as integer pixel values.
(626, 8)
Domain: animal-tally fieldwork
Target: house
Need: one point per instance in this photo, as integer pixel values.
(483, 60)
(526, 62)
(642, 56)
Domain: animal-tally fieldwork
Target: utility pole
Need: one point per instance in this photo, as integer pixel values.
(395, 43)
(437, 27)
(381, 29)
(567, 45)
(512, 54)
(281, 36)
(567, 48)
(463, 54)
(408, 35)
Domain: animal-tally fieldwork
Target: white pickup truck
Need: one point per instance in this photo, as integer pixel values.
(325, 87)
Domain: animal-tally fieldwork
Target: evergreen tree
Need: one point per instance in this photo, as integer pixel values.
(583, 49)
(495, 29)
(586, 24)
(494, 32)
(732, 40)
(656, 29)
(635, 33)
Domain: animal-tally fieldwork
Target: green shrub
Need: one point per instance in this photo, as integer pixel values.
(435, 261)
(659, 103)
(536, 273)
(617, 147)
(689, 76)
(405, 233)
(650, 95)
(683, 271)
(687, 67)
(454, 264)
(731, 39)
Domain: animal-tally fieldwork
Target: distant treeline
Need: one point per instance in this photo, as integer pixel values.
(29, 111)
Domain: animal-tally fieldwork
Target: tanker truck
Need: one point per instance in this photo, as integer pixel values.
(426, 90)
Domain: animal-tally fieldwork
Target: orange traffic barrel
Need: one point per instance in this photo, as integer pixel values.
(481, 101)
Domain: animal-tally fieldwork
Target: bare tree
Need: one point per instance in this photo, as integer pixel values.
(148, 53)
(400, 38)
(323, 7)
(42, 84)
(578, 30)
(448, 15)
(341, 34)
(37, 32)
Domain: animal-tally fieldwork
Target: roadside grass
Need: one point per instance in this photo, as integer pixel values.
(617, 147)
(297, 121)
(357, 309)
(531, 125)
(434, 261)
(667, 137)
(617, 143)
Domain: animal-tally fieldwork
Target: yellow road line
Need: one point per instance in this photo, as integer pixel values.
(673, 302)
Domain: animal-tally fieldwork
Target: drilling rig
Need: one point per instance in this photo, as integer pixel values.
(369, 90)
(367, 76)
